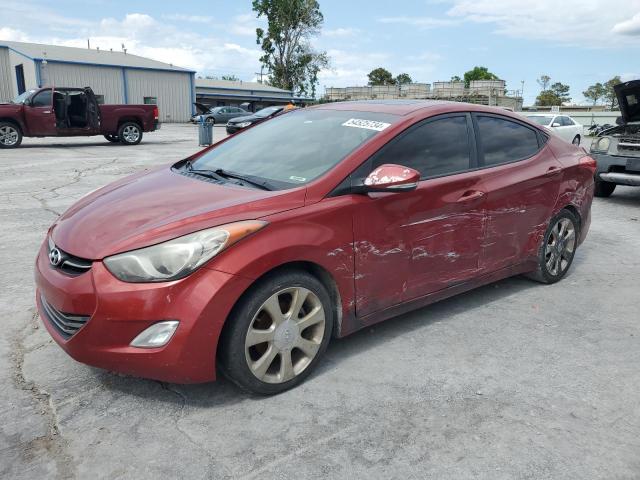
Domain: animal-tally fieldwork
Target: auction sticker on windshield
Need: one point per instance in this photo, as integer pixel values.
(368, 124)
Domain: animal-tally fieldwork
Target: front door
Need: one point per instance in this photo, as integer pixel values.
(39, 114)
(522, 180)
(413, 243)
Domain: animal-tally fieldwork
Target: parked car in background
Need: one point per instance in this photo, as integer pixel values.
(239, 123)
(216, 115)
(73, 112)
(562, 125)
(253, 253)
(617, 149)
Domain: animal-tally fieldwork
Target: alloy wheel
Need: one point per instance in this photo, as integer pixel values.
(131, 133)
(8, 136)
(285, 335)
(560, 247)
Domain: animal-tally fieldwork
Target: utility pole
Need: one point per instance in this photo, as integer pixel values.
(261, 68)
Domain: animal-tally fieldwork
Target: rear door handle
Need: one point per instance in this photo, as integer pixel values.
(471, 195)
(553, 171)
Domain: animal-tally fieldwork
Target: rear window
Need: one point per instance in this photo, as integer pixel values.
(505, 141)
(295, 148)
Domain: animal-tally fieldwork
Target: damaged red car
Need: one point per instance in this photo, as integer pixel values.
(248, 257)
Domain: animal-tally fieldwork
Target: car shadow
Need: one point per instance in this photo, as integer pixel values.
(623, 196)
(223, 392)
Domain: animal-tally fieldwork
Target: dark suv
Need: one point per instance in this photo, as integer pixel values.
(617, 150)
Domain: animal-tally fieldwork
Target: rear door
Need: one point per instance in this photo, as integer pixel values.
(410, 244)
(522, 180)
(39, 114)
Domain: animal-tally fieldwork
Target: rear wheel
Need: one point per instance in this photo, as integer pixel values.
(130, 133)
(604, 189)
(210, 121)
(558, 248)
(112, 138)
(576, 140)
(10, 135)
(277, 333)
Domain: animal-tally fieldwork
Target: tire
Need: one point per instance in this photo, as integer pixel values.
(130, 133)
(112, 138)
(604, 189)
(260, 367)
(10, 135)
(210, 121)
(554, 260)
(576, 140)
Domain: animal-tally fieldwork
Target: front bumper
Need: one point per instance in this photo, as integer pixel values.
(613, 168)
(231, 129)
(119, 311)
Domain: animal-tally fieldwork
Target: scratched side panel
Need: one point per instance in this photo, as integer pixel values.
(520, 201)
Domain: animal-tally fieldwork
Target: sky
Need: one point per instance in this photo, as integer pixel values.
(577, 43)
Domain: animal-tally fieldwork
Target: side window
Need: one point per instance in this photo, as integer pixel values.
(43, 99)
(505, 141)
(567, 122)
(150, 100)
(437, 147)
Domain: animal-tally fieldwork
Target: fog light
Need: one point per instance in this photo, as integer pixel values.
(156, 335)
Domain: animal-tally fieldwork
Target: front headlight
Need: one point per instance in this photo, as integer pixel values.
(243, 124)
(179, 257)
(600, 144)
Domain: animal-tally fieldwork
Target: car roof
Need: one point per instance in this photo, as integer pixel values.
(548, 114)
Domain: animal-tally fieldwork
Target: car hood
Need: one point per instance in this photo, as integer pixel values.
(158, 205)
(628, 94)
(200, 107)
(246, 118)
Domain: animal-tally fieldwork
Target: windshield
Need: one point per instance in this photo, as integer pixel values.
(23, 96)
(543, 120)
(265, 112)
(215, 109)
(294, 149)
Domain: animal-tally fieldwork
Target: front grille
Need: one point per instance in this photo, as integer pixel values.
(70, 264)
(629, 143)
(65, 324)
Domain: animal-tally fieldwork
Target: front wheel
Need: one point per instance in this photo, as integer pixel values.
(604, 189)
(130, 133)
(277, 333)
(558, 248)
(210, 121)
(112, 138)
(10, 135)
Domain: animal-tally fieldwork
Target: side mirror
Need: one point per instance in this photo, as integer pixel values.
(555, 124)
(391, 178)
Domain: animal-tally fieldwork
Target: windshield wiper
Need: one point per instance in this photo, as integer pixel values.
(256, 181)
(203, 172)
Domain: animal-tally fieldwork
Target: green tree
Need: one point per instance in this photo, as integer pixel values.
(403, 79)
(478, 73)
(231, 78)
(544, 81)
(561, 91)
(595, 92)
(381, 76)
(610, 94)
(456, 78)
(287, 53)
(547, 98)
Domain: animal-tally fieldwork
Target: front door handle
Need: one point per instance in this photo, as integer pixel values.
(553, 171)
(471, 195)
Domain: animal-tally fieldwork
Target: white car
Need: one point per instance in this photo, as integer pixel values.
(562, 125)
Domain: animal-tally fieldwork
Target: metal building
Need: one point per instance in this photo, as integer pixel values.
(115, 77)
(216, 93)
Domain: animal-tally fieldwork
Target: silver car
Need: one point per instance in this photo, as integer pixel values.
(217, 115)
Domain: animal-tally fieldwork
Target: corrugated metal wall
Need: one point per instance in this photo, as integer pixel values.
(172, 89)
(6, 76)
(28, 67)
(105, 81)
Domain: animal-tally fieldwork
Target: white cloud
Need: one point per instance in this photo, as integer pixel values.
(244, 24)
(341, 32)
(628, 27)
(420, 22)
(13, 35)
(189, 18)
(565, 22)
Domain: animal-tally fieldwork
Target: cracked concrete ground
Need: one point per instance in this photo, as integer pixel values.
(513, 380)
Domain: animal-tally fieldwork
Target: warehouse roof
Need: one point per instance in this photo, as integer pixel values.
(39, 51)
(238, 85)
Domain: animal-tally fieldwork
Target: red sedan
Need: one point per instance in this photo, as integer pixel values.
(252, 254)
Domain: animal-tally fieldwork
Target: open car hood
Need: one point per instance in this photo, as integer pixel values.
(628, 94)
(200, 107)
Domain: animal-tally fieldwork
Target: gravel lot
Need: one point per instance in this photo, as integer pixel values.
(513, 380)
